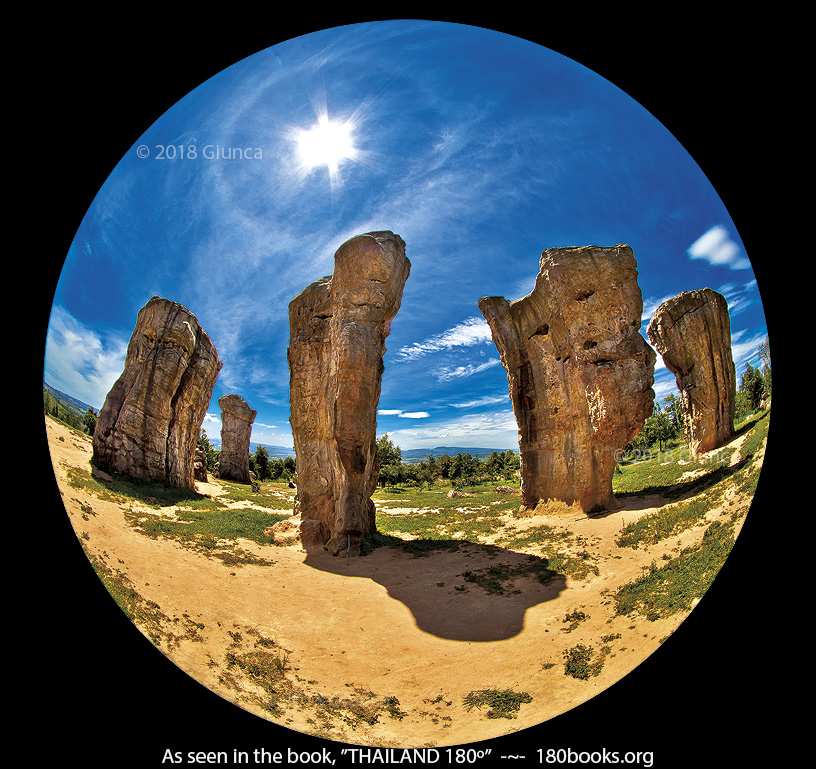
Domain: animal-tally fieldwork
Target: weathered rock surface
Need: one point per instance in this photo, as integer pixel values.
(236, 430)
(692, 331)
(149, 425)
(580, 374)
(200, 465)
(338, 326)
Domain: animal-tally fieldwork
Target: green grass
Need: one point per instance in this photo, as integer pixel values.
(498, 579)
(665, 522)
(671, 588)
(212, 533)
(662, 474)
(582, 663)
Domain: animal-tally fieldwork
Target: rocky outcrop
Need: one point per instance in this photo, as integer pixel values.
(236, 430)
(200, 465)
(338, 326)
(151, 420)
(580, 374)
(692, 331)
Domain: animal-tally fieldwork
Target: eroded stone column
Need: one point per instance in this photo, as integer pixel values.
(579, 372)
(692, 332)
(338, 326)
(149, 426)
(236, 430)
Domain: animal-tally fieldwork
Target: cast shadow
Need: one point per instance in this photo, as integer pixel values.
(461, 591)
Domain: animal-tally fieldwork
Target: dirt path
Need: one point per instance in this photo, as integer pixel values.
(384, 649)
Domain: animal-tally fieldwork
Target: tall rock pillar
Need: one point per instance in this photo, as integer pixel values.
(338, 326)
(579, 372)
(149, 426)
(692, 331)
(236, 430)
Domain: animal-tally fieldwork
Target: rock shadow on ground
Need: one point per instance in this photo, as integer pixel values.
(467, 592)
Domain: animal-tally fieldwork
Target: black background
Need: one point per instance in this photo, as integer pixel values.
(94, 689)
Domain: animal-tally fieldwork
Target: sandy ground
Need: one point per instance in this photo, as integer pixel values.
(387, 625)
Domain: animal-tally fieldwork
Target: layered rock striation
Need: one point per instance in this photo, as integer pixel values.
(236, 430)
(338, 326)
(579, 372)
(692, 332)
(149, 426)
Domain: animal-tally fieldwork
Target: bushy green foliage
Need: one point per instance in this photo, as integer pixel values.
(501, 703)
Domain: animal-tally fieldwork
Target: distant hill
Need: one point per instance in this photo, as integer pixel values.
(411, 456)
(68, 402)
(275, 452)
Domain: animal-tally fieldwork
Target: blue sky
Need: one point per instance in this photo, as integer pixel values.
(480, 149)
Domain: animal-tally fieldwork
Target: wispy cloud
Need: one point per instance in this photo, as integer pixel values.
(739, 297)
(650, 304)
(469, 332)
(448, 373)
(485, 400)
(717, 248)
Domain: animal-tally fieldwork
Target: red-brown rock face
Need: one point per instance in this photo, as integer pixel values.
(236, 430)
(151, 419)
(692, 331)
(338, 326)
(580, 373)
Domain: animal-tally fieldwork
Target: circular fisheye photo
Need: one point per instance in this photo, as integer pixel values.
(407, 386)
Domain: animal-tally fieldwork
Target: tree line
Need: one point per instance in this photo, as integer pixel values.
(84, 424)
(461, 470)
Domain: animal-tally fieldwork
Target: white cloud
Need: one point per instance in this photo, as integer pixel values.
(403, 414)
(448, 373)
(716, 247)
(79, 361)
(465, 334)
(490, 429)
(212, 419)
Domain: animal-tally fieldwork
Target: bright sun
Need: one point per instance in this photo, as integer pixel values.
(326, 143)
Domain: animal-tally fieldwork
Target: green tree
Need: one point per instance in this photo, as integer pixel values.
(512, 463)
(765, 363)
(261, 463)
(674, 410)
(390, 459)
(89, 420)
(388, 452)
(749, 394)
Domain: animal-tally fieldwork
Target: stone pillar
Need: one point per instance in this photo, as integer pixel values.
(338, 326)
(200, 466)
(236, 430)
(579, 372)
(149, 426)
(692, 331)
